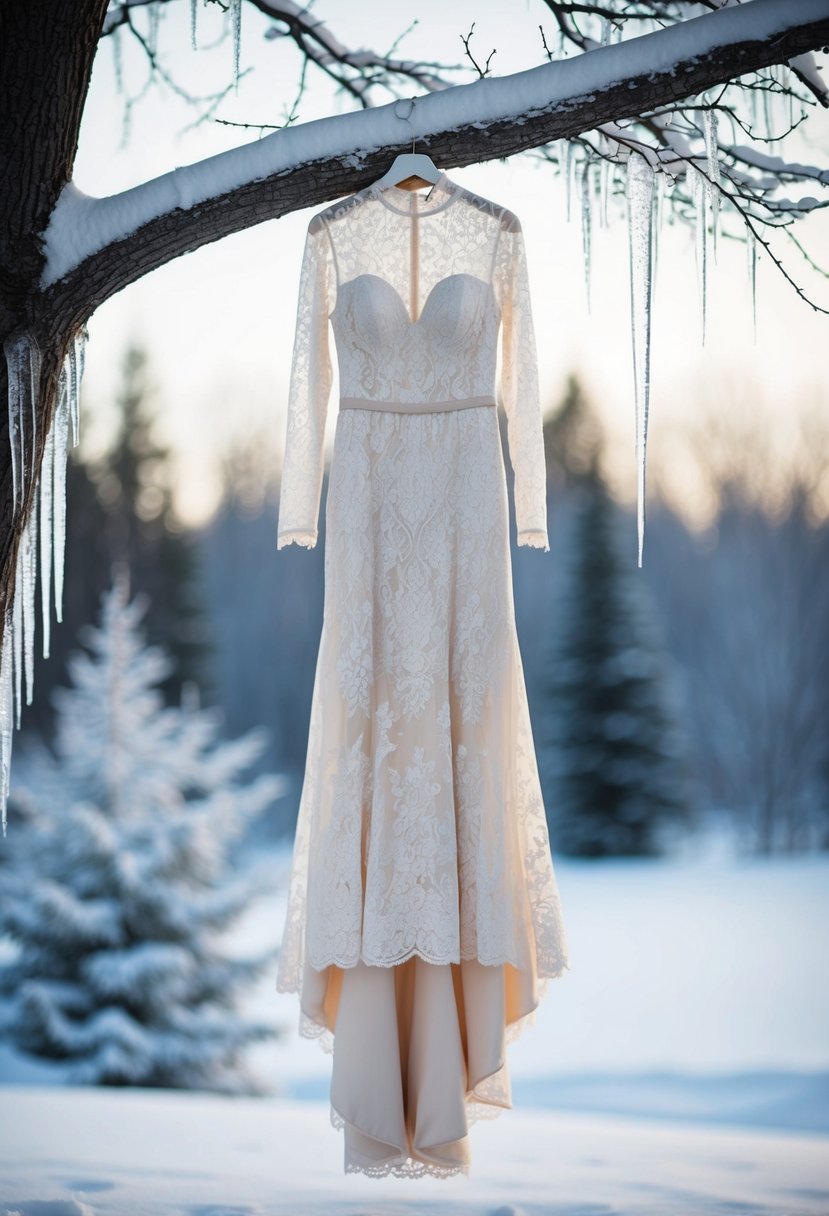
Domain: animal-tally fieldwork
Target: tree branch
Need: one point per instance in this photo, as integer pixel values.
(96, 247)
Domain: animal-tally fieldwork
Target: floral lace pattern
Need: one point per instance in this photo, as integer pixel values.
(416, 295)
(421, 826)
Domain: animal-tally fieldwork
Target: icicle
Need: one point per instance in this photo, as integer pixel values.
(767, 109)
(639, 194)
(573, 177)
(658, 194)
(46, 503)
(80, 362)
(236, 19)
(619, 173)
(787, 84)
(699, 198)
(605, 28)
(61, 425)
(47, 516)
(76, 358)
(72, 388)
(28, 548)
(17, 635)
(604, 185)
(565, 163)
(709, 124)
(23, 369)
(586, 204)
(772, 107)
(34, 397)
(193, 8)
(751, 249)
(6, 714)
(19, 367)
(15, 426)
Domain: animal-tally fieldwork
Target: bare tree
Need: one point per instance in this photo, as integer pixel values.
(62, 254)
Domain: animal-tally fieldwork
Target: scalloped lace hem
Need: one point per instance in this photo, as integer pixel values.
(408, 1167)
(547, 968)
(415, 1167)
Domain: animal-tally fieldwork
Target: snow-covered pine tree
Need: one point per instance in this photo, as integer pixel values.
(615, 756)
(116, 887)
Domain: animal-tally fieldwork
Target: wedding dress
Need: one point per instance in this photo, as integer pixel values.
(423, 920)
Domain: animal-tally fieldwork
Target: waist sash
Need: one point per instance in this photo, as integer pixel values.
(415, 407)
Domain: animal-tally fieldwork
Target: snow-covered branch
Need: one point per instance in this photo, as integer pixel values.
(95, 247)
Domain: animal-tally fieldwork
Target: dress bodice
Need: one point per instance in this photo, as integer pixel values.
(416, 287)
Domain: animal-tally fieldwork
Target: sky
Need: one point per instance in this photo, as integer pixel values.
(218, 323)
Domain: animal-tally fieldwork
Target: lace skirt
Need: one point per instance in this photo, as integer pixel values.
(423, 921)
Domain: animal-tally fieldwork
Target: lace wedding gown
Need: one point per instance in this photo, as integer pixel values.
(423, 921)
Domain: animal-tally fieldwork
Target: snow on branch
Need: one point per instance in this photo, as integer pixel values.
(486, 119)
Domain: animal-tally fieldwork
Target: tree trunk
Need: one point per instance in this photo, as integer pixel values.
(47, 48)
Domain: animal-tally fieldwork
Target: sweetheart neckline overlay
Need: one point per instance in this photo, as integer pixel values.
(399, 298)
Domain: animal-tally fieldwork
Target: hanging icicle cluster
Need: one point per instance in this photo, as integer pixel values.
(46, 517)
(644, 212)
(705, 197)
(582, 177)
(644, 188)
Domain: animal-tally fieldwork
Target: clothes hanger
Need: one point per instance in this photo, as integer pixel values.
(410, 169)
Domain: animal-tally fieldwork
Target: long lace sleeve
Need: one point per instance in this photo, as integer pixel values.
(309, 392)
(519, 386)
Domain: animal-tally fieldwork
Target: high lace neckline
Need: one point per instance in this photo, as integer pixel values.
(400, 200)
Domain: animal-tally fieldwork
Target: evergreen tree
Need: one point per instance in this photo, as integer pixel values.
(135, 484)
(120, 510)
(573, 438)
(616, 775)
(115, 887)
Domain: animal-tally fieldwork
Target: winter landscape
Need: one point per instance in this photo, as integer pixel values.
(679, 1067)
(158, 654)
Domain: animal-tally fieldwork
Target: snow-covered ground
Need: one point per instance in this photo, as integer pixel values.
(680, 1066)
(83, 1152)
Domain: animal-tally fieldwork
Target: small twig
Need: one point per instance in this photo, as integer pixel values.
(466, 39)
